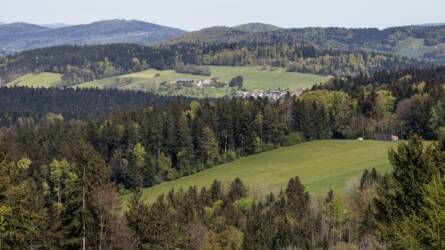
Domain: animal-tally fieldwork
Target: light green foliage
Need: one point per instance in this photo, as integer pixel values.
(4, 211)
(61, 176)
(243, 204)
(321, 165)
(230, 238)
(37, 80)
(335, 213)
(139, 155)
(209, 146)
(24, 164)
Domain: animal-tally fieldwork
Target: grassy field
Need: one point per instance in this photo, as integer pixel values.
(321, 165)
(38, 80)
(254, 78)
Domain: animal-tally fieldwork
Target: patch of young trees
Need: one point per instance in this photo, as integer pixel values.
(193, 69)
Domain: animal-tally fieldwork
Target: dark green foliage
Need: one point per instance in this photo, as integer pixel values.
(71, 103)
(237, 81)
(298, 200)
(237, 190)
(193, 69)
(404, 202)
(273, 224)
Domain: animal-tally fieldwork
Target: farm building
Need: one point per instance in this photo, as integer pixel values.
(185, 82)
(386, 137)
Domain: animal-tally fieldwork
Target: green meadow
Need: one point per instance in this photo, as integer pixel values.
(321, 165)
(38, 80)
(255, 77)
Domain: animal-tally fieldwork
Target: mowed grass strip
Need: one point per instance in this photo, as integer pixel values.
(321, 165)
(37, 80)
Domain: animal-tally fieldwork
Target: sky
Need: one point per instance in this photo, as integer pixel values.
(197, 14)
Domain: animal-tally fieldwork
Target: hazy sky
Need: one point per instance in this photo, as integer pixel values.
(196, 14)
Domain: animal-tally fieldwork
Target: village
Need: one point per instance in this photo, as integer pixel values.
(273, 95)
(240, 93)
(188, 82)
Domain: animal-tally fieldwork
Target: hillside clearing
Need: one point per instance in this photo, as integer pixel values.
(321, 165)
(37, 80)
(255, 77)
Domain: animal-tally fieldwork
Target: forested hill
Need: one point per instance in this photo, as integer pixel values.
(87, 63)
(425, 42)
(21, 36)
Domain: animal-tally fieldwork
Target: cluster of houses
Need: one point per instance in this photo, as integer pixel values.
(271, 94)
(215, 82)
(186, 82)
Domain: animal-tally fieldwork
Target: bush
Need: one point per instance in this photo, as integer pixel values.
(293, 139)
(229, 156)
(266, 147)
(237, 81)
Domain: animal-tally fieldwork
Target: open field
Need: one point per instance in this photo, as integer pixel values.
(321, 165)
(414, 48)
(254, 78)
(37, 80)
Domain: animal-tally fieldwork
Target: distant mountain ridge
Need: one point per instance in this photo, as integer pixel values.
(426, 42)
(257, 27)
(17, 37)
(56, 25)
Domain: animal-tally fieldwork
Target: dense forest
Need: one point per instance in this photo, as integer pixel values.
(70, 103)
(390, 40)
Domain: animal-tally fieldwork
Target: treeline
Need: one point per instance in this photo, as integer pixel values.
(403, 209)
(71, 103)
(296, 57)
(401, 102)
(193, 69)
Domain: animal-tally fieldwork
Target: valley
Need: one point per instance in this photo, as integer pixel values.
(323, 131)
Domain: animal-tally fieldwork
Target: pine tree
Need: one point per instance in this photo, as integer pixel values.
(237, 190)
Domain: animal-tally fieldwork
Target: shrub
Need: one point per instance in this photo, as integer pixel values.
(293, 139)
(229, 156)
(237, 81)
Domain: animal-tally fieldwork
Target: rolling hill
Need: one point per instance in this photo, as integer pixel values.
(255, 78)
(21, 36)
(321, 166)
(257, 27)
(393, 40)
